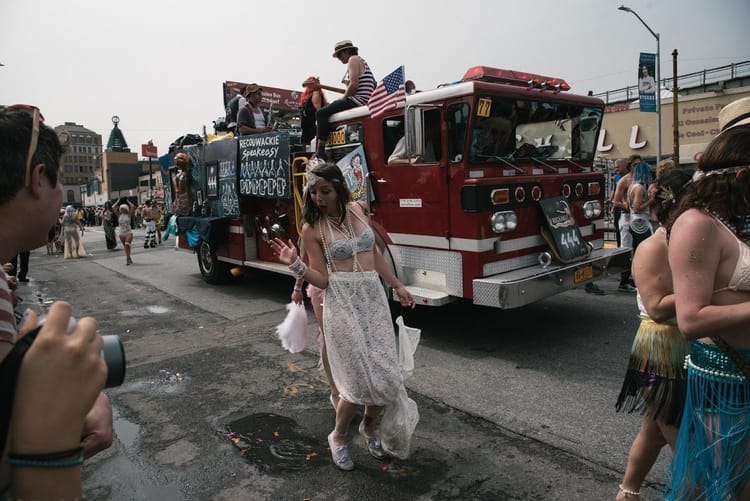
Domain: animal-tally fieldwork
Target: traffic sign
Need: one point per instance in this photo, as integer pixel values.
(149, 151)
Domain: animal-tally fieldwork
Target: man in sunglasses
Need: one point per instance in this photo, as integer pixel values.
(59, 414)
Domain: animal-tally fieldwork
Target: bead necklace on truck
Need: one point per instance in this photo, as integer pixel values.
(502, 206)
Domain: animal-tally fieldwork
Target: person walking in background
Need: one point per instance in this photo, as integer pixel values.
(655, 379)
(108, 224)
(710, 260)
(360, 84)
(360, 339)
(148, 215)
(620, 203)
(137, 218)
(640, 204)
(71, 224)
(123, 226)
(310, 102)
(21, 272)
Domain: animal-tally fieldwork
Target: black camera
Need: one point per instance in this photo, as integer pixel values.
(113, 354)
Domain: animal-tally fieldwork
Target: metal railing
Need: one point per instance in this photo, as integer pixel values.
(696, 79)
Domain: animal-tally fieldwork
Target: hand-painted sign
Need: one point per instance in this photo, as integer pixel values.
(264, 165)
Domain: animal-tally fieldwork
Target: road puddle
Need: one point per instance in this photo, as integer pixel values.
(125, 431)
(276, 443)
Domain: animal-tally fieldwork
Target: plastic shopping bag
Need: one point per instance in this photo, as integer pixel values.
(293, 330)
(408, 339)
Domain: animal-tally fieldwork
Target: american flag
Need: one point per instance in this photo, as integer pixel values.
(389, 92)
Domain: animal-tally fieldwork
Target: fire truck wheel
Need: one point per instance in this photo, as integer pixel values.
(213, 271)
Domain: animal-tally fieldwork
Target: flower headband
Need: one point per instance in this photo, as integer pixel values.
(699, 174)
(313, 179)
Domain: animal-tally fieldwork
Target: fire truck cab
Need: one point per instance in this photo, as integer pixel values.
(495, 198)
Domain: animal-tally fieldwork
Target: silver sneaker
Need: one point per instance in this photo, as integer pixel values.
(373, 443)
(340, 455)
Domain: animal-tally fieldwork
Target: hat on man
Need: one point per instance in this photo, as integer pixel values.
(343, 45)
(734, 114)
(252, 89)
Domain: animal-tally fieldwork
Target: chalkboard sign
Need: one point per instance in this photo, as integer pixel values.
(264, 165)
(565, 234)
(221, 177)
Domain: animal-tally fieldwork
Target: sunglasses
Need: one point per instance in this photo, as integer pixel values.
(36, 119)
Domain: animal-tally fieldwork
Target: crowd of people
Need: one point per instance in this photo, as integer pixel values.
(689, 367)
(688, 372)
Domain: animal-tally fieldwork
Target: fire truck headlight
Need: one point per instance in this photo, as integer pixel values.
(592, 209)
(502, 222)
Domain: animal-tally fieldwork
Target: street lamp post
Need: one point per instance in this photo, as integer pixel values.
(658, 80)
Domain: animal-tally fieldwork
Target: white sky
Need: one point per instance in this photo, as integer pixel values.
(159, 64)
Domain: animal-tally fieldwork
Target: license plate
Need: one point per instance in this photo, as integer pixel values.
(583, 274)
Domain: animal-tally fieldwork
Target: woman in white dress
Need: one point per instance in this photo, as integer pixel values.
(357, 323)
(70, 228)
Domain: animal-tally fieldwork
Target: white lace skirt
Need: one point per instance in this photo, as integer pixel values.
(363, 356)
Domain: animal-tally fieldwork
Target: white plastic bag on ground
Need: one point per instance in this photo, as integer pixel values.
(293, 330)
(408, 339)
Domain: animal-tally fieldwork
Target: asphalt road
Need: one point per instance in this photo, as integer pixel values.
(513, 404)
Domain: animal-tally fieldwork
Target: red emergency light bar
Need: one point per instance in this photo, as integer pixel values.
(520, 78)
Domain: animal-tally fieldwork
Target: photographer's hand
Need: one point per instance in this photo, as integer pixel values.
(97, 427)
(60, 378)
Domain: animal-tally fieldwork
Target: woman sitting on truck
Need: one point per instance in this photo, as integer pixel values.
(356, 319)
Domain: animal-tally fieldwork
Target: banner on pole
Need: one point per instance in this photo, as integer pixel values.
(647, 87)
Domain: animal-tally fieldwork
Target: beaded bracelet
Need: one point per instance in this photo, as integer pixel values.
(629, 492)
(46, 463)
(298, 289)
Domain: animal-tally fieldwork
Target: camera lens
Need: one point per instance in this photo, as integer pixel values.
(113, 354)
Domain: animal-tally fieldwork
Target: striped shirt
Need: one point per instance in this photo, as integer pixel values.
(365, 86)
(7, 319)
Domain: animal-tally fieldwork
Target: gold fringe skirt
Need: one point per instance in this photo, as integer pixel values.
(655, 381)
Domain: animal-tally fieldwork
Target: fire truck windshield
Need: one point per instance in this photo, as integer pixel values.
(506, 129)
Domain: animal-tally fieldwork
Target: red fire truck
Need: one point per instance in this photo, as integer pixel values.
(500, 204)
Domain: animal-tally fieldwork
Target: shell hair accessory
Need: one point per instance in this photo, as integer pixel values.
(669, 195)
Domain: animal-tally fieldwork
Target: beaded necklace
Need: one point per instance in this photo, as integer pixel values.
(731, 226)
(347, 231)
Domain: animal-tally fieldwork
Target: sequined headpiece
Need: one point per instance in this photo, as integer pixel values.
(699, 174)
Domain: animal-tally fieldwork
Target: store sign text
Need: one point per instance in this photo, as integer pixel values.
(633, 143)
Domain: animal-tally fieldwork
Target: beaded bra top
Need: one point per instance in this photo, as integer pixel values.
(740, 279)
(345, 248)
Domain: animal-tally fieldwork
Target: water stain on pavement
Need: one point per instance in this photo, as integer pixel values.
(274, 443)
(126, 431)
(146, 311)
